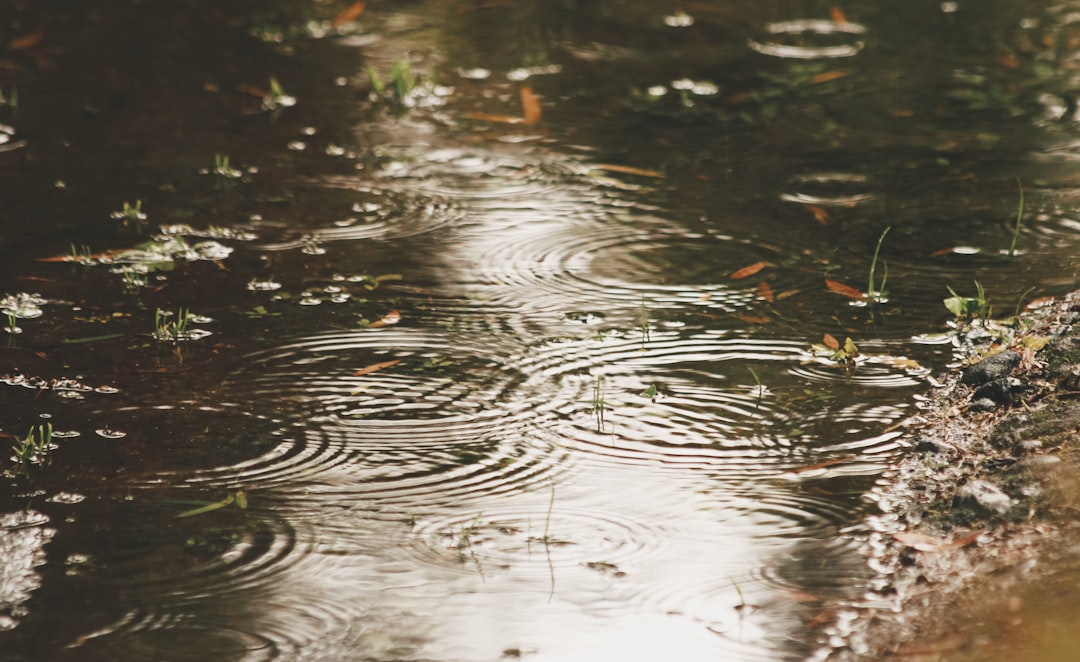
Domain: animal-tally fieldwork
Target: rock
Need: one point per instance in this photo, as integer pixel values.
(995, 366)
(983, 404)
(985, 495)
(999, 390)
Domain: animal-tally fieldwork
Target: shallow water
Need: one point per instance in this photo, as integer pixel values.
(462, 388)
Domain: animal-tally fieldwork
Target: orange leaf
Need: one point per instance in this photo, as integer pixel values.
(837, 15)
(530, 105)
(251, 90)
(375, 366)
(844, 290)
(943, 251)
(765, 292)
(830, 341)
(820, 215)
(349, 13)
(748, 271)
(389, 319)
(629, 170)
(26, 41)
(826, 76)
(753, 319)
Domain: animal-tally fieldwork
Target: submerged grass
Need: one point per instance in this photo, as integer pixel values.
(1019, 218)
(875, 293)
(35, 446)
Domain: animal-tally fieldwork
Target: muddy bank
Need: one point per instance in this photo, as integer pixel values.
(979, 524)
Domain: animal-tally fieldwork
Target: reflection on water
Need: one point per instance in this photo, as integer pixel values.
(564, 404)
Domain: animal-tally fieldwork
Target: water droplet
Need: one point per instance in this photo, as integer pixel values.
(66, 434)
(308, 131)
(109, 433)
(66, 497)
(297, 146)
(679, 19)
(263, 285)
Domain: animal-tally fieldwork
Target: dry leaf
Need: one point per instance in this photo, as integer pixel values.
(826, 76)
(765, 292)
(530, 106)
(819, 214)
(748, 271)
(837, 15)
(389, 319)
(375, 366)
(752, 319)
(844, 290)
(26, 41)
(920, 541)
(350, 13)
(628, 170)
(823, 465)
(830, 341)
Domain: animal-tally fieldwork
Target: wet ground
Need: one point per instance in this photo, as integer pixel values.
(459, 331)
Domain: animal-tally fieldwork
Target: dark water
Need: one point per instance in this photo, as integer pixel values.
(469, 389)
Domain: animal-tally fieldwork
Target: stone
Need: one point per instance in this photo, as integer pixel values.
(985, 495)
(995, 366)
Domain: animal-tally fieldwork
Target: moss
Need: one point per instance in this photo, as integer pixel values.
(1053, 425)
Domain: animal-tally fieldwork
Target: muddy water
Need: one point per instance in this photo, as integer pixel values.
(461, 387)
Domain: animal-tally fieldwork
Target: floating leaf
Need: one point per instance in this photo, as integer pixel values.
(389, 319)
(241, 499)
(530, 106)
(826, 76)
(753, 319)
(26, 41)
(844, 290)
(350, 13)
(748, 271)
(628, 170)
(209, 508)
(375, 366)
(830, 341)
(765, 292)
(821, 216)
(500, 119)
(837, 15)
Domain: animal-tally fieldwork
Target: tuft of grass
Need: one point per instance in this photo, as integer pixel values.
(643, 323)
(875, 293)
(34, 448)
(598, 404)
(1019, 218)
(168, 329)
(223, 167)
(401, 84)
(969, 309)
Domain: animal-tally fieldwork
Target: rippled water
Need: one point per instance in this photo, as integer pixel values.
(456, 387)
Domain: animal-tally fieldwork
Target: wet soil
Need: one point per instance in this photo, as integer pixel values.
(981, 520)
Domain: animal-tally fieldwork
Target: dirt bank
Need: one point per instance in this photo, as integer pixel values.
(982, 520)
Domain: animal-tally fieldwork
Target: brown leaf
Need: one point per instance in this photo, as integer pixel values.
(748, 271)
(375, 366)
(389, 319)
(823, 465)
(752, 319)
(530, 105)
(629, 170)
(826, 76)
(830, 341)
(26, 41)
(350, 13)
(837, 15)
(844, 290)
(765, 292)
(820, 215)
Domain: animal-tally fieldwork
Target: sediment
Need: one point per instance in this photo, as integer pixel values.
(986, 502)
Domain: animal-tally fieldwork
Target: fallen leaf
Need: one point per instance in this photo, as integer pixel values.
(920, 541)
(837, 15)
(350, 13)
(765, 292)
(943, 251)
(628, 170)
(844, 290)
(822, 465)
(530, 106)
(748, 271)
(826, 76)
(830, 341)
(26, 41)
(785, 294)
(820, 215)
(389, 319)
(1008, 61)
(375, 366)
(753, 319)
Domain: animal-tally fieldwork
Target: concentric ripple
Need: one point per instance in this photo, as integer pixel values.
(702, 401)
(810, 39)
(390, 416)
